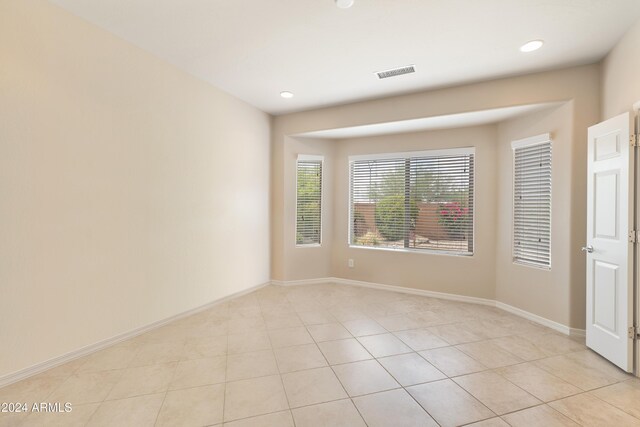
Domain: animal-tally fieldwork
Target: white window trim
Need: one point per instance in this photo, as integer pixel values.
(397, 155)
(522, 143)
(319, 158)
(532, 140)
(309, 157)
(416, 251)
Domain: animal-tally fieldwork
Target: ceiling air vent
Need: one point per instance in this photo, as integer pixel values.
(396, 72)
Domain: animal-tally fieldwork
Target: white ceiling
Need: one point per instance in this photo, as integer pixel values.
(449, 121)
(254, 49)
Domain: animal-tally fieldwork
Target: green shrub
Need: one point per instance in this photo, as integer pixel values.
(390, 217)
(370, 239)
(359, 224)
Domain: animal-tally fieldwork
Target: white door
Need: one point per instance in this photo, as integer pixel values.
(609, 250)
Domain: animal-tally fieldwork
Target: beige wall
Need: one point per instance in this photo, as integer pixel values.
(308, 262)
(127, 194)
(129, 191)
(620, 79)
(435, 272)
(580, 85)
(541, 291)
(620, 90)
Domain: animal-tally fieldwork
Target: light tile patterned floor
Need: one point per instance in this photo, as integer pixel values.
(333, 355)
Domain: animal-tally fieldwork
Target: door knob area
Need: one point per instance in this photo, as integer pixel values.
(588, 249)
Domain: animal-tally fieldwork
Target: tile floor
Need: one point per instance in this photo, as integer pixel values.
(330, 355)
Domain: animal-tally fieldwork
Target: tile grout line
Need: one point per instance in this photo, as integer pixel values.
(226, 362)
(164, 398)
(336, 375)
(327, 308)
(111, 388)
(284, 390)
(333, 370)
(405, 387)
(345, 389)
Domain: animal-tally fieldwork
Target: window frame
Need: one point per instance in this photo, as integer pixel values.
(524, 143)
(471, 150)
(309, 157)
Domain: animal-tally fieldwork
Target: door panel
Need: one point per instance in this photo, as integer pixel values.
(605, 284)
(609, 220)
(606, 204)
(607, 146)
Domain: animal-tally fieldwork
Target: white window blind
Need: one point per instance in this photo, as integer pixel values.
(413, 201)
(532, 201)
(309, 200)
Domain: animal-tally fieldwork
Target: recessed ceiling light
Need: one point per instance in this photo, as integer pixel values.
(286, 94)
(344, 4)
(531, 46)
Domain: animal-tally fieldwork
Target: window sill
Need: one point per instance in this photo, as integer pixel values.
(531, 265)
(309, 245)
(414, 251)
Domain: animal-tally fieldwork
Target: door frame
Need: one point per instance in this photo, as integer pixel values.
(636, 281)
(615, 259)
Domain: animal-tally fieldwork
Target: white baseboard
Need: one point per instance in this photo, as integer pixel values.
(92, 348)
(559, 327)
(84, 351)
(534, 318)
(304, 282)
(579, 333)
(412, 291)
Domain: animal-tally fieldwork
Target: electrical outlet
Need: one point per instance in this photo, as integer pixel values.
(351, 263)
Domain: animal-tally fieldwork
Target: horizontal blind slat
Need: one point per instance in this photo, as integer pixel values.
(436, 189)
(532, 205)
(309, 202)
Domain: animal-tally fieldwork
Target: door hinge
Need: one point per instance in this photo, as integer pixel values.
(633, 236)
(634, 140)
(634, 333)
